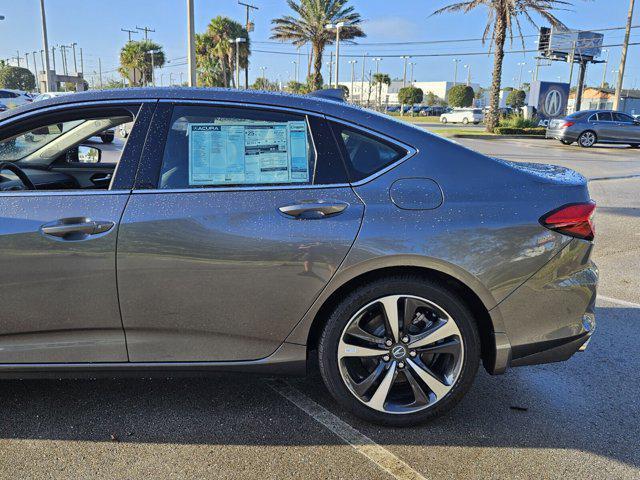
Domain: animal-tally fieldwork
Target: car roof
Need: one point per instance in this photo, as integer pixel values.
(341, 110)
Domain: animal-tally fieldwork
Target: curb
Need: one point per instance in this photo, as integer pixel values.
(497, 137)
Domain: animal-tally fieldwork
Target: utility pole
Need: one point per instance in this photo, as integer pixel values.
(521, 65)
(468, 67)
(18, 57)
(63, 53)
(353, 73)
(249, 27)
(377, 60)
(262, 69)
(75, 63)
(45, 45)
(53, 57)
(337, 27)
(604, 71)
(81, 62)
(412, 64)
(330, 64)
(294, 71)
(26, 57)
(623, 57)
(404, 70)
(146, 31)
(191, 44)
(129, 32)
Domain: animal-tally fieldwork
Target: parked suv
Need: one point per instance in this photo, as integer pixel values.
(463, 115)
(589, 127)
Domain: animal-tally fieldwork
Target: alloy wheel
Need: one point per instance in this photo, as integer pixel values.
(400, 354)
(587, 139)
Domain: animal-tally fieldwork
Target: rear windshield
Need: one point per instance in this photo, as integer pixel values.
(577, 115)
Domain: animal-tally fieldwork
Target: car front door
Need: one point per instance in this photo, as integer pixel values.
(605, 127)
(627, 130)
(238, 221)
(57, 247)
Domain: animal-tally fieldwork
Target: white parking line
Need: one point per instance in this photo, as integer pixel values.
(382, 457)
(617, 301)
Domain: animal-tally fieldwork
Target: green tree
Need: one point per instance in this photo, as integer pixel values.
(136, 61)
(296, 87)
(431, 99)
(263, 83)
(409, 96)
(479, 94)
(502, 18)
(461, 96)
(309, 26)
(380, 79)
(516, 98)
(17, 78)
(216, 53)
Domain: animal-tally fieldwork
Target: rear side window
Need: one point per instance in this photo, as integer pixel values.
(365, 154)
(605, 117)
(621, 117)
(209, 146)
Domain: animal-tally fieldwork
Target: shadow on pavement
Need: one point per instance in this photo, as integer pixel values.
(589, 403)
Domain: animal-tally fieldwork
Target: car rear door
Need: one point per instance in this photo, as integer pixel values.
(239, 218)
(605, 127)
(57, 258)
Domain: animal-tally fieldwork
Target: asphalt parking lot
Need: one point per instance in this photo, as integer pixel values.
(577, 419)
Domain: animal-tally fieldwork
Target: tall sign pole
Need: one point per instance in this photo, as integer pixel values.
(45, 45)
(249, 27)
(191, 44)
(623, 58)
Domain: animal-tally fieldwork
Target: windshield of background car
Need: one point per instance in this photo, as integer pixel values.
(18, 147)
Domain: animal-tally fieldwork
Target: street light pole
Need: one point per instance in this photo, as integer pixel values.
(623, 57)
(353, 72)
(238, 41)
(337, 26)
(45, 45)
(604, 70)
(468, 67)
(456, 61)
(191, 44)
(412, 64)
(521, 65)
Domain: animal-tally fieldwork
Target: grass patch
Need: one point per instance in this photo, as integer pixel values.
(448, 132)
(520, 131)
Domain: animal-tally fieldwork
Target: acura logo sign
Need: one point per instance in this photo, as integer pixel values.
(553, 103)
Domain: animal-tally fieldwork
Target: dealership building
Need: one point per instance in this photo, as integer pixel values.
(602, 98)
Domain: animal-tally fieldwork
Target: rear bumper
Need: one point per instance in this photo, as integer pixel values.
(552, 315)
(561, 134)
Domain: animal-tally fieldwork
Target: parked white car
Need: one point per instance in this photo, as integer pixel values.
(48, 95)
(463, 115)
(14, 98)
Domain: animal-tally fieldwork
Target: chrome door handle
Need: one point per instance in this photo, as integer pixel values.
(313, 210)
(75, 228)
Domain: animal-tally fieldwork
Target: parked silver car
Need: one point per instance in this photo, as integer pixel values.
(251, 232)
(588, 127)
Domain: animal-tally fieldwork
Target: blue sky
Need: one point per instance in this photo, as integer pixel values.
(95, 26)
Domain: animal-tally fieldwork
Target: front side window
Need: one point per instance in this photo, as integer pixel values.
(365, 154)
(210, 146)
(605, 117)
(621, 117)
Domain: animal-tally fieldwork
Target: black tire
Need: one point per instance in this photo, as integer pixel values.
(634, 145)
(107, 138)
(443, 120)
(465, 121)
(565, 142)
(584, 140)
(398, 285)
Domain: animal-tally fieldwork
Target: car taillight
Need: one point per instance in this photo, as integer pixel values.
(573, 219)
(567, 124)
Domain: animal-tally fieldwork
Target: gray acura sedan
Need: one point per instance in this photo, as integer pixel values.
(588, 127)
(252, 232)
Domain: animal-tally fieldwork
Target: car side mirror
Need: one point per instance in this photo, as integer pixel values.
(88, 154)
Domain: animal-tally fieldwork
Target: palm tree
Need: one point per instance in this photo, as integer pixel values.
(137, 60)
(502, 17)
(379, 79)
(309, 26)
(216, 54)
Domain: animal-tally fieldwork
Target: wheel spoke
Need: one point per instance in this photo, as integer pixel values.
(410, 307)
(443, 330)
(390, 308)
(380, 395)
(362, 387)
(420, 396)
(439, 388)
(450, 346)
(355, 330)
(349, 350)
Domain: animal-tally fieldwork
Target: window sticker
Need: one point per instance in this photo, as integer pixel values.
(246, 153)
